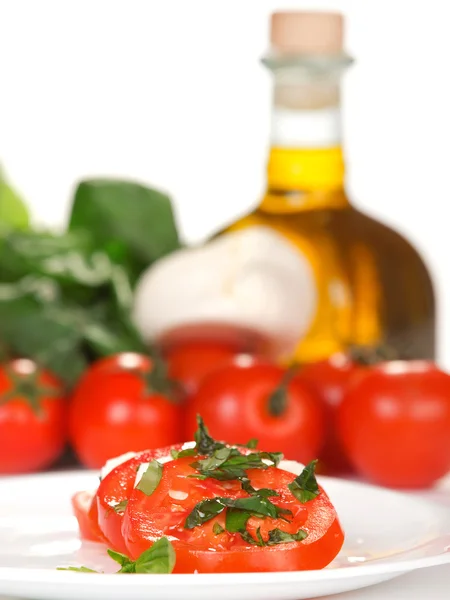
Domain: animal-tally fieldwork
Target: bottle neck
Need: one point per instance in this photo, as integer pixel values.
(306, 165)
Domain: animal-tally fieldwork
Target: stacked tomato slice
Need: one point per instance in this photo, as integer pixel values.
(225, 509)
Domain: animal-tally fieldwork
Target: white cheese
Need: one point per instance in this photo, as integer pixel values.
(292, 466)
(112, 463)
(253, 279)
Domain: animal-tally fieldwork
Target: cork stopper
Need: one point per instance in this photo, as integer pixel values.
(308, 33)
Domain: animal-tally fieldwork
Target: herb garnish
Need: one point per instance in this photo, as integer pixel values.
(253, 505)
(305, 487)
(276, 536)
(118, 508)
(151, 478)
(160, 558)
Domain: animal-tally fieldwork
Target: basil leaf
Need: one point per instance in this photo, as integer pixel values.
(247, 537)
(77, 569)
(204, 511)
(118, 508)
(254, 505)
(182, 453)
(236, 520)
(262, 492)
(151, 478)
(274, 457)
(251, 443)
(305, 487)
(160, 558)
(217, 459)
(126, 564)
(277, 536)
(134, 224)
(218, 529)
(205, 444)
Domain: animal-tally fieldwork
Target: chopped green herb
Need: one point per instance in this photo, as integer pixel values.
(252, 443)
(205, 444)
(262, 492)
(182, 453)
(218, 529)
(228, 463)
(236, 520)
(151, 478)
(247, 537)
(118, 508)
(207, 509)
(305, 487)
(277, 536)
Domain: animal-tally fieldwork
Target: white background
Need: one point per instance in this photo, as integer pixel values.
(171, 92)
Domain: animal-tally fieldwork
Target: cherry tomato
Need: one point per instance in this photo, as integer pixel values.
(189, 363)
(201, 549)
(33, 417)
(115, 409)
(330, 379)
(395, 424)
(238, 404)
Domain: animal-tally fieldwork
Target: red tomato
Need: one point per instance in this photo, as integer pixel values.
(330, 379)
(116, 488)
(189, 363)
(85, 510)
(33, 417)
(200, 549)
(395, 424)
(114, 410)
(234, 402)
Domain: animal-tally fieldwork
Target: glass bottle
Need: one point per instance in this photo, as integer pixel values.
(368, 285)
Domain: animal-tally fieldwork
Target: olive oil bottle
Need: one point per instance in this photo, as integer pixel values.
(365, 284)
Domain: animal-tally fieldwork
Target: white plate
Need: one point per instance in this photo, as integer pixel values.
(387, 534)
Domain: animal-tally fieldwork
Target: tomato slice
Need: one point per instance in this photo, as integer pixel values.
(115, 488)
(85, 511)
(202, 549)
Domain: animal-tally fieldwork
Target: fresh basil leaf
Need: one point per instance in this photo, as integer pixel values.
(236, 520)
(236, 465)
(77, 569)
(126, 564)
(182, 453)
(205, 444)
(214, 461)
(262, 492)
(247, 537)
(305, 487)
(134, 224)
(204, 511)
(160, 558)
(119, 508)
(277, 536)
(218, 529)
(252, 443)
(254, 505)
(151, 478)
(274, 457)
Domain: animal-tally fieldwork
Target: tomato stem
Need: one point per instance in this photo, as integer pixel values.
(28, 387)
(278, 399)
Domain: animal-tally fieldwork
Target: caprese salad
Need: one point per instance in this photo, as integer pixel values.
(208, 506)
